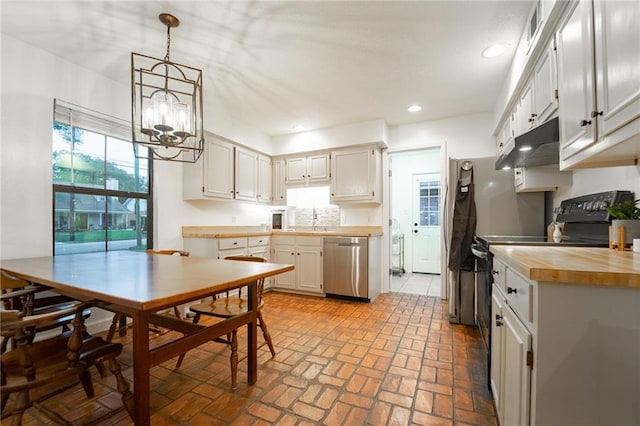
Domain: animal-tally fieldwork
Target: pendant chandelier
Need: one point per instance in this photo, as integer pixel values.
(166, 105)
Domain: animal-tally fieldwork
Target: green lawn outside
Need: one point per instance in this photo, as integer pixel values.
(95, 236)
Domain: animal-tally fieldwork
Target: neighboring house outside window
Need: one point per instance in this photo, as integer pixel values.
(101, 191)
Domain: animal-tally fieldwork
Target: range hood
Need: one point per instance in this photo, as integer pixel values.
(537, 147)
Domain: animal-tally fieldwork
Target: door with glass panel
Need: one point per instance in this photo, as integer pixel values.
(426, 223)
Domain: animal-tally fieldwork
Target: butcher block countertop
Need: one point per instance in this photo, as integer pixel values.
(573, 265)
(253, 231)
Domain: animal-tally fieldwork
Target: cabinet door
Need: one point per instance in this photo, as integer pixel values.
(279, 185)
(264, 179)
(545, 84)
(246, 175)
(525, 113)
(617, 49)
(259, 251)
(285, 254)
(516, 375)
(218, 169)
(309, 268)
(497, 325)
(296, 170)
(576, 80)
(352, 174)
(318, 168)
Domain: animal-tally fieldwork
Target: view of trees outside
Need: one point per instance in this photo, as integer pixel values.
(101, 192)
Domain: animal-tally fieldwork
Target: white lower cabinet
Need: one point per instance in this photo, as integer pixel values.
(564, 353)
(305, 253)
(510, 373)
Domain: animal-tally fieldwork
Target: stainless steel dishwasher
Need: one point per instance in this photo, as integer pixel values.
(346, 268)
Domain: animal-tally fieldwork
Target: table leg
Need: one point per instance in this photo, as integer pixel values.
(141, 381)
(252, 335)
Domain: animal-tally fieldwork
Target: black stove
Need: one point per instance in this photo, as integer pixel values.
(585, 218)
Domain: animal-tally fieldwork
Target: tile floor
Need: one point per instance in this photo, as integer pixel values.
(396, 361)
(424, 284)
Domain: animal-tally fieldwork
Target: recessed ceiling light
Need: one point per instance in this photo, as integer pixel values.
(414, 108)
(524, 148)
(299, 128)
(493, 51)
(506, 168)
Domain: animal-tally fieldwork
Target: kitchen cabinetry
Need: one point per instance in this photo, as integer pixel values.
(356, 175)
(545, 85)
(598, 56)
(541, 178)
(559, 353)
(511, 344)
(538, 100)
(212, 176)
(307, 170)
(279, 182)
(306, 254)
(506, 134)
(246, 174)
(264, 179)
(225, 171)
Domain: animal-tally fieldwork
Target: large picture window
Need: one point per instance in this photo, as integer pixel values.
(101, 191)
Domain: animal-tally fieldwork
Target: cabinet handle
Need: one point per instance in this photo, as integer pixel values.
(531, 120)
(235, 243)
(298, 254)
(499, 322)
(494, 272)
(584, 123)
(501, 144)
(512, 290)
(594, 114)
(231, 192)
(534, 115)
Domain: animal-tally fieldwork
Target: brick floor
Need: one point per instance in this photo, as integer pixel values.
(396, 361)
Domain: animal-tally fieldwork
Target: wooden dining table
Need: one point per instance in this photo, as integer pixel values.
(139, 285)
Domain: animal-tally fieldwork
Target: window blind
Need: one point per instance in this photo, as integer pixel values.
(77, 116)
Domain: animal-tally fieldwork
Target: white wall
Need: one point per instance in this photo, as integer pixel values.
(373, 131)
(31, 79)
(465, 136)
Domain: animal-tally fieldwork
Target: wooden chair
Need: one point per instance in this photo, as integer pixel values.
(119, 321)
(30, 299)
(52, 361)
(227, 307)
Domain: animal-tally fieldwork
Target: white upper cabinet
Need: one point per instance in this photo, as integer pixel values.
(545, 85)
(538, 99)
(226, 171)
(356, 175)
(264, 179)
(246, 174)
(307, 170)
(213, 174)
(599, 105)
(525, 117)
(279, 182)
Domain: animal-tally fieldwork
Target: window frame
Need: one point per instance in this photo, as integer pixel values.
(102, 130)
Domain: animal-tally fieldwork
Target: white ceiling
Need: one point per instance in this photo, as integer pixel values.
(275, 64)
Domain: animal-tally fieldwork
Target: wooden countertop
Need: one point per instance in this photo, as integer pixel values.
(254, 231)
(573, 265)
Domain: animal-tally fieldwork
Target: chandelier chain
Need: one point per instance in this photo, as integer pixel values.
(166, 58)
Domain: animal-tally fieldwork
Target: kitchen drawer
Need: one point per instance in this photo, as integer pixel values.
(499, 273)
(520, 295)
(259, 241)
(232, 243)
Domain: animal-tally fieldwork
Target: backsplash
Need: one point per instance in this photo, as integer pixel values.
(324, 216)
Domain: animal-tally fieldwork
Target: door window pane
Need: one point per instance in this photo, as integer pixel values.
(429, 203)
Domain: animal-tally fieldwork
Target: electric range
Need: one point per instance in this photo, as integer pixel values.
(586, 224)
